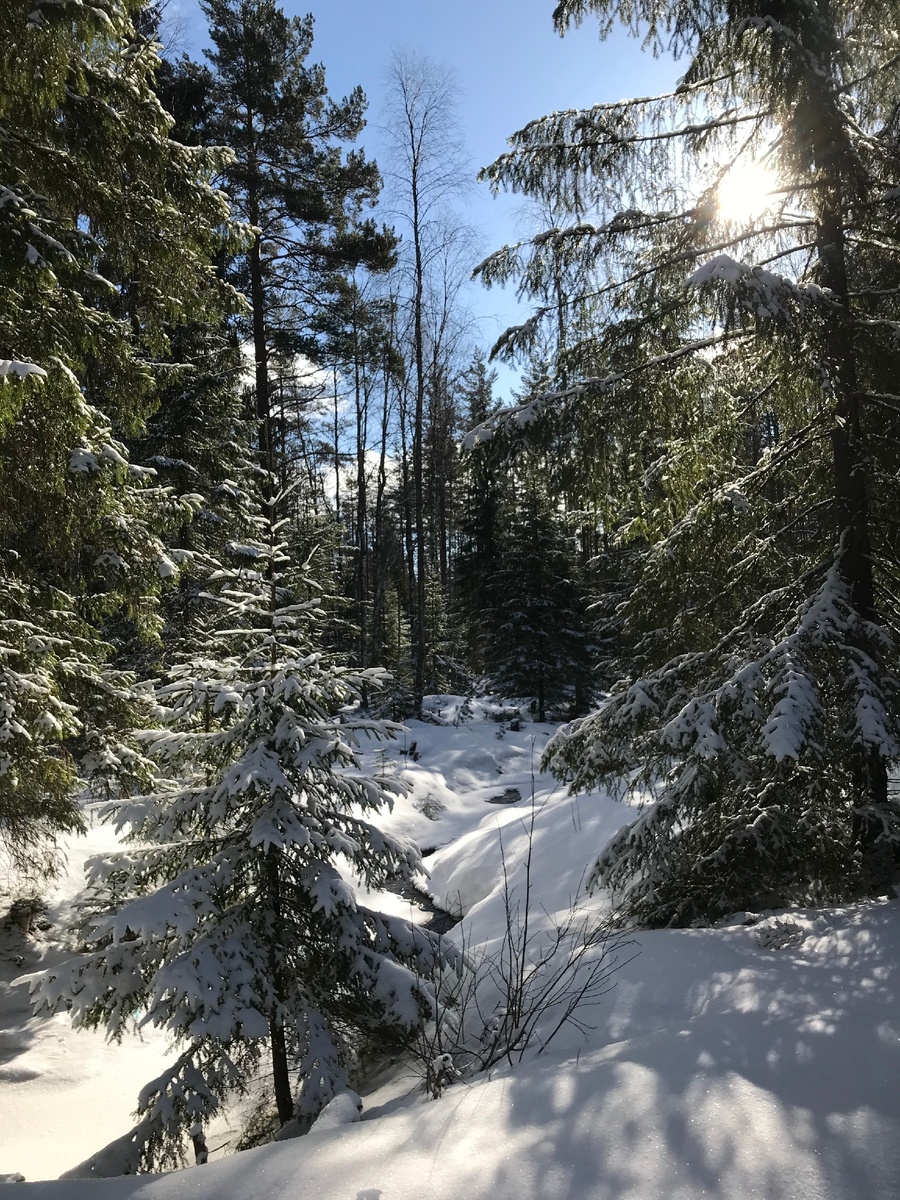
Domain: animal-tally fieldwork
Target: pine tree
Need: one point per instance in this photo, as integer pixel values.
(290, 178)
(737, 384)
(107, 228)
(228, 920)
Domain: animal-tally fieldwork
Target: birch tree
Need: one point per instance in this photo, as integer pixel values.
(426, 171)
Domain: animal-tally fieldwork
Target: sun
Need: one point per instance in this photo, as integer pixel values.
(745, 192)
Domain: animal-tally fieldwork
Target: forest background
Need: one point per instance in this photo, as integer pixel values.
(242, 529)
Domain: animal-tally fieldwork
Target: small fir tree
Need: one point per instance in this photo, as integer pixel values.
(228, 920)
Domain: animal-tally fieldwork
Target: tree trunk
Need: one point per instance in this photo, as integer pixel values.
(418, 432)
(407, 512)
(851, 502)
(379, 582)
(284, 1100)
(337, 457)
(198, 1141)
(260, 352)
(280, 1074)
(362, 571)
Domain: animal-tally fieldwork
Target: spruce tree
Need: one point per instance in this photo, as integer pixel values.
(228, 920)
(737, 384)
(200, 435)
(537, 639)
(200, 444)
(519, 569)
(107, 228)
(483, 488)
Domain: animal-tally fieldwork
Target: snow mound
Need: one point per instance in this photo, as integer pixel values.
(344, 1109)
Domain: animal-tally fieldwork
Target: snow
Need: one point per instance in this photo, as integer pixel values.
(785, 731)
(344, 1109)
(10, 366)
(64, 1092)
(756, 1059)
(83, 460)
(766, 294)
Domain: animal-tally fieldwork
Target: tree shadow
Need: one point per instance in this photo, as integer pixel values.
(19, 957)
(777, 1079)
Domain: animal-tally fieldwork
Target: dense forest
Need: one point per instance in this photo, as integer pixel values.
(259, 497)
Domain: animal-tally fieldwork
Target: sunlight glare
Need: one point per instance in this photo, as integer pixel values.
(745, 192)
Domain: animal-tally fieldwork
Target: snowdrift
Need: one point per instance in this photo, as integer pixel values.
(755, 1060)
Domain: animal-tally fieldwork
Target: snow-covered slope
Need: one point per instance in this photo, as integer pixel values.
(63, 1094)
(757, 1060)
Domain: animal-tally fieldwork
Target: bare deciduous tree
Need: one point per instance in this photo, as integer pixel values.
(425, 170)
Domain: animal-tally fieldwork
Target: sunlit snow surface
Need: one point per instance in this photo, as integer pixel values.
(752, 1061)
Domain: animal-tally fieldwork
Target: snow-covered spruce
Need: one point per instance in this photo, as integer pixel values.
(227, 921)
(90, 177)
(733, 381)
(750, 752)
(64, 713)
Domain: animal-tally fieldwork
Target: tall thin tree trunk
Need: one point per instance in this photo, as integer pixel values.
(260, 352)
(362, 565)
(421, 641)
(337, 457)
(407, 511)
(848, 459)
(379, 581)
(851, 502)
(281, 1080)
(277, 1041)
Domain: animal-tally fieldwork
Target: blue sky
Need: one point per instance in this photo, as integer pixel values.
(510, 65)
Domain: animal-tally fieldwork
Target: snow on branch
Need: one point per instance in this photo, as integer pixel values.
(12, 368)
(523, 415)
(763, 293)
(750, 698)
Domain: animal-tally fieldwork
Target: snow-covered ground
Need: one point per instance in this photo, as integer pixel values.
(63, 1093)
(757, 1060)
